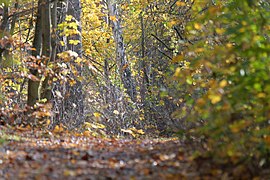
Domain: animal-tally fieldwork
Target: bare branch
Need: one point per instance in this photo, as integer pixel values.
(171, 49)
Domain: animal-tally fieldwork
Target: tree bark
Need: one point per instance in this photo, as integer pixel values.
(74, 105)
(121, 58)
(42, 46)
(46, 84)
(3, 30)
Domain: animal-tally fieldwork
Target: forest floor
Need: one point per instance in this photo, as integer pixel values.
(29, 154)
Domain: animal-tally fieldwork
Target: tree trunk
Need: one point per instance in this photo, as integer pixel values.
(121, 58)
(143, 69)
(46, 84)
(42, 46)
(4, 28)
(74, 105)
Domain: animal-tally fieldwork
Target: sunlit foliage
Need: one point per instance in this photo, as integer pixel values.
(228, 79)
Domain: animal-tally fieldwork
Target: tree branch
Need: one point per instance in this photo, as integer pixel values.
(181, 37)
(162, 42)
(164, 54)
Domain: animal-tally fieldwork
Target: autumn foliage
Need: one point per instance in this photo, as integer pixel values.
(196, 70)
(228, 80)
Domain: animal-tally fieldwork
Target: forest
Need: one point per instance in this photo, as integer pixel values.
(135, 89)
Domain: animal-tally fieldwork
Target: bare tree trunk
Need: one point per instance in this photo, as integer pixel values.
(144, 75)
(46, 84)
(74, 105)
(32, 94)
(60, 12)
(14, 18)
(42, 46)
(4, 27)
(4, 22)
(121, 58)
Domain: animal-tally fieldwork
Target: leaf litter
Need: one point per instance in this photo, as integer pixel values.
(37, 154)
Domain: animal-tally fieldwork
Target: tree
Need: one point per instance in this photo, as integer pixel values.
(74, 104)
(46, 46)
(42, 48)
(121, 58)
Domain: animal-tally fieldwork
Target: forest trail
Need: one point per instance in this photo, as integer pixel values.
(44, 155)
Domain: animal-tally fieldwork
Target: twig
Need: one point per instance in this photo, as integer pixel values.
(181, 37)
(173, 4)
(164, 54)
(162, 42)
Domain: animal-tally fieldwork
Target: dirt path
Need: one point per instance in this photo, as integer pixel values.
(39, 155)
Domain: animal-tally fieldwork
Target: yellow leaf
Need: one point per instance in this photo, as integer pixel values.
(74, 42)
(48, 122)
(97, 126)
(69, 173)
(172, 23)
(78, 60)
(128, 131)
(220, 31)
(241, 30)
(96, 114)
(21, 128)
(261, 95)
(177, 58)
(88, 51)
(140, 131)
(135, 131)
(199, 50)
(87, 124)
(213, 10)
(215, 98)
(177, 72)
(73, 25)
(113, 18)
(69, 18)
(244, 23)
(197, 26)
(62, 43)
(124, 67)
(200, 102)
(179, 3)
(100, 126)
(87, 133)
(189, 80)
(72, 82)
(223, 83)
(229, 45)
(56, 129)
